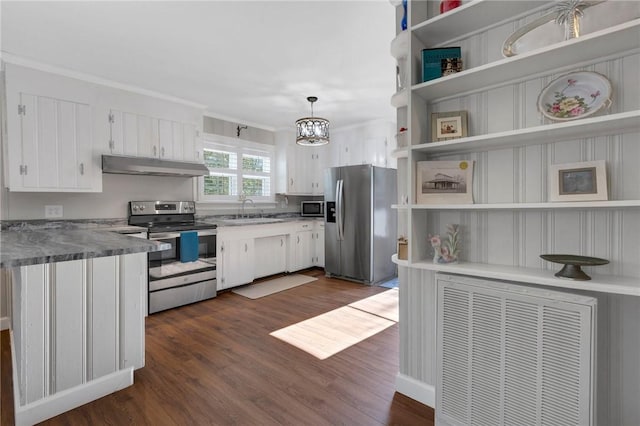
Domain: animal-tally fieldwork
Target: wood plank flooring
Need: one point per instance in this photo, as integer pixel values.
(214, 363)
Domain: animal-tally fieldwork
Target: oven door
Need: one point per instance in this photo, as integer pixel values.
(174, 283)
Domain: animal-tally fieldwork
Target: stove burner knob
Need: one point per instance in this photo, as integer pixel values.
(141, 208)
(135, 207)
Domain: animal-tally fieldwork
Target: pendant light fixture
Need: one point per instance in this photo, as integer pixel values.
(312, 131)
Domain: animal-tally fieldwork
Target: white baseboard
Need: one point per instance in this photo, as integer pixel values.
(5, 323)
(416, 389)
(69, 399)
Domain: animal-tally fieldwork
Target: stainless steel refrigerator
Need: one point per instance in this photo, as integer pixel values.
(360, 226)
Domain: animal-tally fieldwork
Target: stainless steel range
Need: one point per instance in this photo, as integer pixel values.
(172, 282)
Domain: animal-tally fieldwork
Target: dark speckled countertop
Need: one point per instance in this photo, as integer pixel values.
(29, 245)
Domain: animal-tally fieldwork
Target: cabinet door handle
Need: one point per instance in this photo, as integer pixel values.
(291, 180)
(82, 168)
(155, 151)
(298, 242)
(25, 169)
(281, 242)
(245, 247)
(162, 152)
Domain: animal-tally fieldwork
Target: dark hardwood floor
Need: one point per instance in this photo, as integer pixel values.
(214, 363)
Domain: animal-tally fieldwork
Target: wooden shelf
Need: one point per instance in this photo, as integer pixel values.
(568, 54)
(600, 283)
(612, 124)
(577, 205)
(471, 18)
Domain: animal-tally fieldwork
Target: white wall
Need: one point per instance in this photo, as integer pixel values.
(117, 190)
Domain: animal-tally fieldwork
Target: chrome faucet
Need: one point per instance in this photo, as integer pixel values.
(244, 202)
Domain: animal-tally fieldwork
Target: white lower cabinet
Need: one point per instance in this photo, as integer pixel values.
(270, 255)
(236, 262)
(319, 244)
(303, 246)
(74, 322)
(249, 252)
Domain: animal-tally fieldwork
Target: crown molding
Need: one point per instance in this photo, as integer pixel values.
(10, 58)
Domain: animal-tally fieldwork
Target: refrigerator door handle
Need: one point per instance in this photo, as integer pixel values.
(340, 209)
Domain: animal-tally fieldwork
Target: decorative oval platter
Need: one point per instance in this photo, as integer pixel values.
(575, 95)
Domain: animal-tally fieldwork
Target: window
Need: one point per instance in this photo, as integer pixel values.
(236, 168)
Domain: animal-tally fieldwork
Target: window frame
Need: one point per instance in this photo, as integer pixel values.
(240, 147)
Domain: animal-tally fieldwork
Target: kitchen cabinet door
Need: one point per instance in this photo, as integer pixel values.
(165, 139)
(124, 133)
(192, 144)
(178, 141)
(50, 133)
(304, 246)
(298, 166)
(320, 161)
(147, 137)
(237, 265)
(52, 149)
(319, 244)
(270, 255)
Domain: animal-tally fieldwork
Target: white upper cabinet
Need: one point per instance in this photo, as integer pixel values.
(369, 143)
(305, 168)
(166, 140)
(143, 136)
(191, 143)
(58, 127)
(50, 134)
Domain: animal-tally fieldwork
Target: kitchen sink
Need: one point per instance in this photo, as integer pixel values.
(253, 220)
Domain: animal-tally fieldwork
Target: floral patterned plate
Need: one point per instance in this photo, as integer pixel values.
(575, 95)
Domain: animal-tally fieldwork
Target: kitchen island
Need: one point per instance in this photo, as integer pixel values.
(77, 317)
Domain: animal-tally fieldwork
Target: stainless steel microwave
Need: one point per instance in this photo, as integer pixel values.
(312, 208)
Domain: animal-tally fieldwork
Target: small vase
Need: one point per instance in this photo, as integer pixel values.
(447, 5)
(403, 22)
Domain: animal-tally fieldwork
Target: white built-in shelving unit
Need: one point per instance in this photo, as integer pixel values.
(528, 142)
(512, 221)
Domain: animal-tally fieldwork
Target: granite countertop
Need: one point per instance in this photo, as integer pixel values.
(31, 246)
(232, 221)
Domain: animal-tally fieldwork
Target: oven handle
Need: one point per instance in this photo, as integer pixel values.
(169, 235)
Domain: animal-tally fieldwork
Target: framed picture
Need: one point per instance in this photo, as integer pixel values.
(448, 125)
(586, 181)
(444, 182)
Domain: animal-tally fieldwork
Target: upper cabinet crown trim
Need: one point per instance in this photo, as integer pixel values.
(19, 60)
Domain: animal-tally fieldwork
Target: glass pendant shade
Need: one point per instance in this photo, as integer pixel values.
(312, 131)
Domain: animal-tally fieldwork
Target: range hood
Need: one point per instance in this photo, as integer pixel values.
(127, 165)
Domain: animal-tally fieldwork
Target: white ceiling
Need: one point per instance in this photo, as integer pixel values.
(252, 62)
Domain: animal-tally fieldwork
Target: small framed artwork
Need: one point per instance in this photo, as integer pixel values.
(444, 182)
(585, 181)
(448, 125)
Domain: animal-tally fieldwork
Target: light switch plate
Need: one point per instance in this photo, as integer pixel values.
(52, 212)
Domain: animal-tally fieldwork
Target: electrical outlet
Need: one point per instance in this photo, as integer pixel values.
(51, 212)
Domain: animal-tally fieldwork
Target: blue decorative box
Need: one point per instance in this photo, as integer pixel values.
(432, 61)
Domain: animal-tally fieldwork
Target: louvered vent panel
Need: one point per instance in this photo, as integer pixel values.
(521, 363)
(455, 350)
(513, 355)
(561, 362)
(486, 319)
